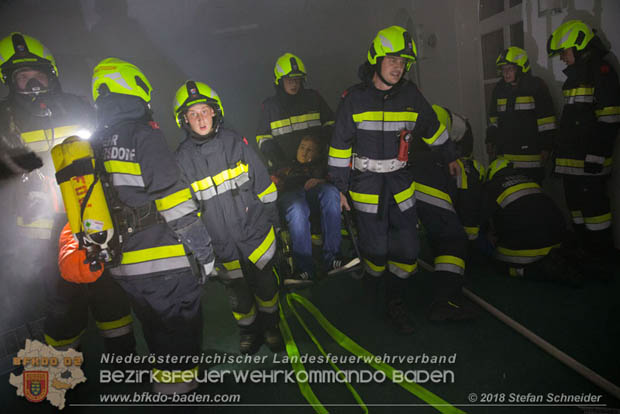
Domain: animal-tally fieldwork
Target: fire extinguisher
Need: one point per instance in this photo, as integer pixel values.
(403, 147)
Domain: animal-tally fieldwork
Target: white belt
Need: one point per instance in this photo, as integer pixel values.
(377, 166)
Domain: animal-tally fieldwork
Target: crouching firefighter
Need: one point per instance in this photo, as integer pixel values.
(436, 195)
(156, 220)
(237, 205)
(368, 159)
(528, 228)
(36, 116)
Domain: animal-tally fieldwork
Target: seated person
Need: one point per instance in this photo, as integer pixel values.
(303, 190)
(528, 229)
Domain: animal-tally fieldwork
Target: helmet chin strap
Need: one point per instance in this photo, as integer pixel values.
(378, 72)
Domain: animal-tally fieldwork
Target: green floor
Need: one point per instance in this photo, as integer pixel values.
(491, 358)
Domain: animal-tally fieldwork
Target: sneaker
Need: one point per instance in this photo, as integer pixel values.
(398, 318)
(250, 343)
(341, 265)
(454, 309)
(300, 279)
(273, 339)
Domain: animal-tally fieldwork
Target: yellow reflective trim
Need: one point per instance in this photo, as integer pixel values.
(409, 268)
(106, 326)
(368, 116)
(328, 123)
(203, 184)
(547, 120)
(608, 110)
(271, 189)
(526, 252)
(122, 167)
(364, 198)
(524, 99)
(451, 260)
(493, 119)
(513, 189)
(521, 157)
(567, 162)
(281, 123)
(46, 134)
(578, 91)
(373, 266)
(178, 377)
(305, 117)
(340, 153)
(400, 116)
(39, 224)
(268, 303)
(173, 199)
(238, 316)
(502, 101)
(153, 253)
(463, 174)
(440, 130)
(62, 342)
(234, 265)
(230, 173)
(480, 168)
(472, 230)
(576, 213)
(262, 248)
(259, 138)
(433, 192)
(598, 219)
(405, 194)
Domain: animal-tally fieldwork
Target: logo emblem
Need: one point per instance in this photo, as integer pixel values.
(35, 385)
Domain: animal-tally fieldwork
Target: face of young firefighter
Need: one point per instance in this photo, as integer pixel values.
(200, 118)
(393, 68)
(509, 73)
(307, 151)
(292, 85)
(568, 56)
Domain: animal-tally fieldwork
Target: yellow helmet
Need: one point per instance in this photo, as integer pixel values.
(191, 93)
(289, 66)
(18, 50)
(120, 77)
(515, 56)
(392, 41)
(573, 33)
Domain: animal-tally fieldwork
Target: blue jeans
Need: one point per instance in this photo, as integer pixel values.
(296, 206)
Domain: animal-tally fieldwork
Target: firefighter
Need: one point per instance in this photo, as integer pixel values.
(158, 222)
(290, 114)
(237, 204)
(38, 115)
(527, 227)
(436, 193)
(368, 156)
(587, 131)
(522, 120)
(285, 118)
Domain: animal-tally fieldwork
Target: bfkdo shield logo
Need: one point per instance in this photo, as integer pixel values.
(35, 385)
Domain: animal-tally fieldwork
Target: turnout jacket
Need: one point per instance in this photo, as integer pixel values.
(144, 174)
(526, 221)
(522, 121)
(468, 200)
(40, 124)
(368, 124)
(590, 118)
(285, 119)
(236, 197)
